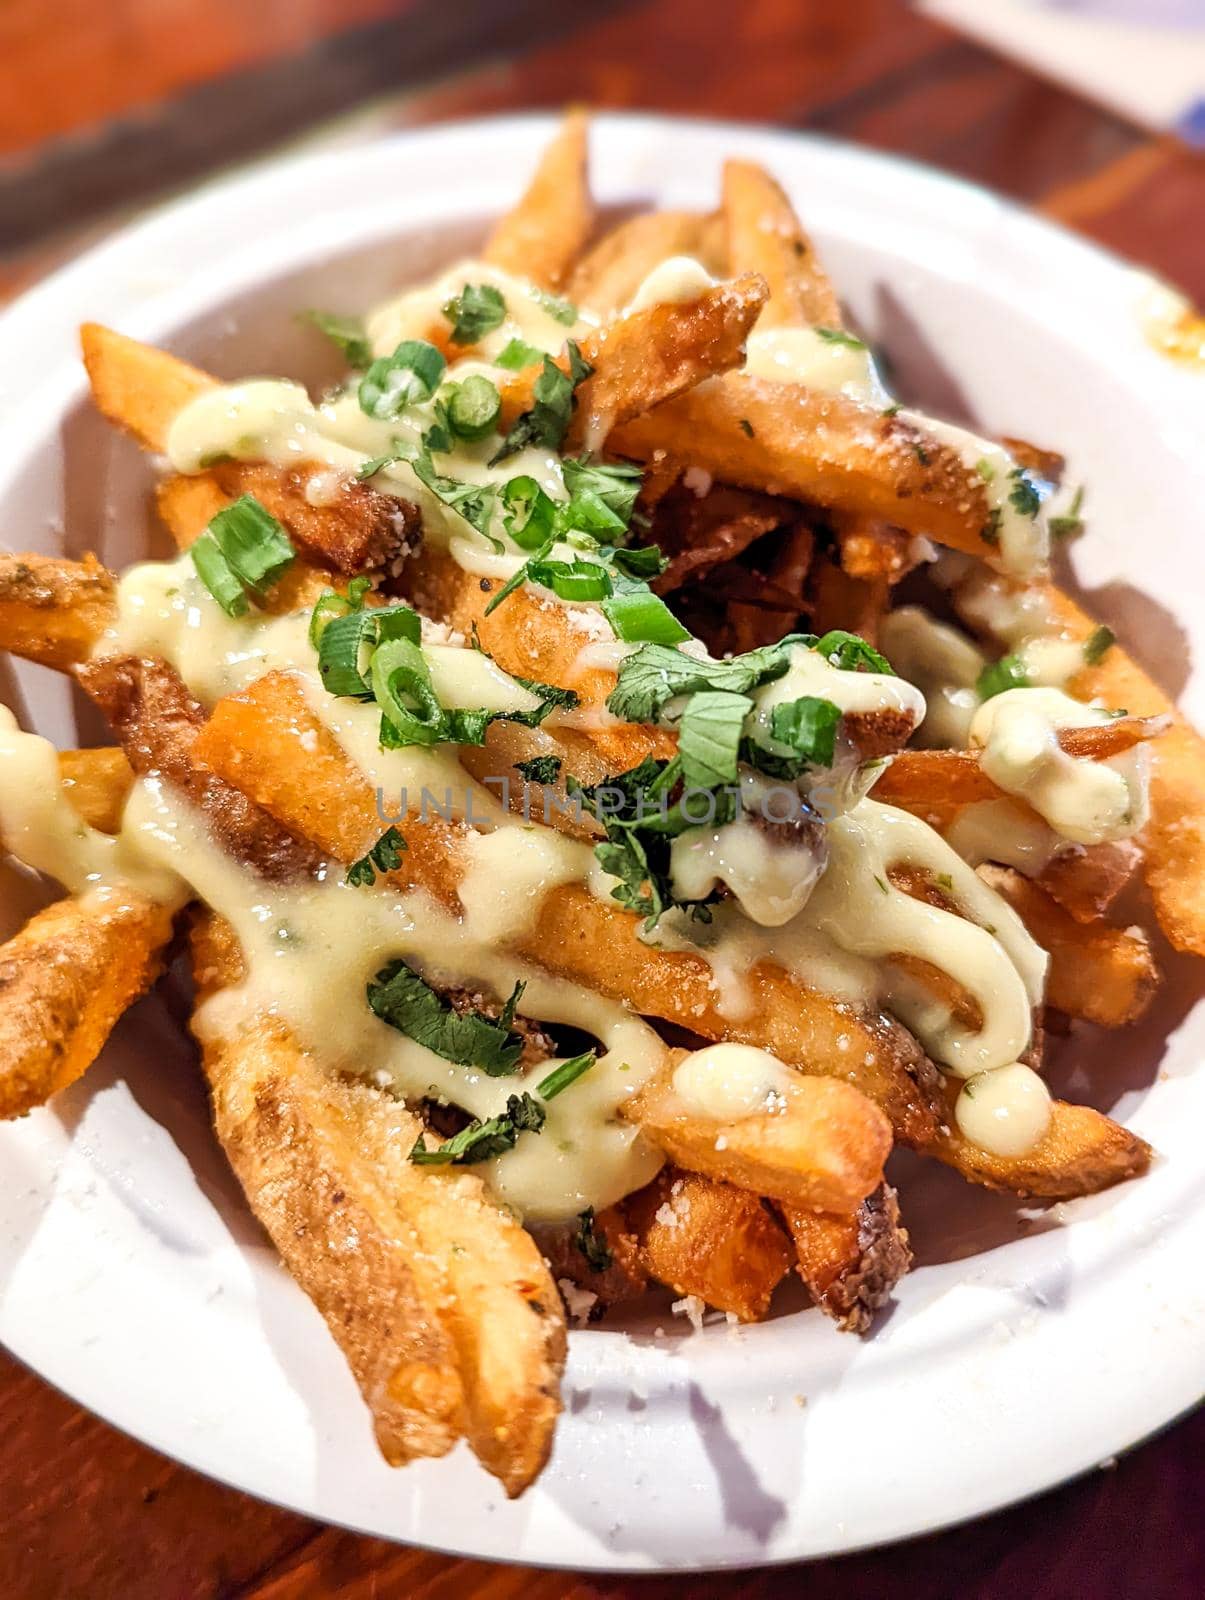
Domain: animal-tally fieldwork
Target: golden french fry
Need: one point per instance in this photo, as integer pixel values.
(158, 723)
(65, 979)
(841, 601)
(822, 1145)
(137, 386)
(711, 1240)
(650, 356)
(825, 448)
(623, 1278)
(765, 235)
(611, 271)
(939, 785)
(1175, 837)
(52, 610)
(1097, 973)
(542, 236)
(445, 1310)
(1081, 1153)
(97, 783)
(313, 790)
(851, 1263)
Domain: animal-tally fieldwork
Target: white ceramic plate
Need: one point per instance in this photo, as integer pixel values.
(1027, 1345)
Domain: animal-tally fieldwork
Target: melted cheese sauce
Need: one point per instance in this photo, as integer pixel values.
(1088, 802)
(944, 665)
(827, 913)
(728, 1082)
(805, 356)
(1005, 1112)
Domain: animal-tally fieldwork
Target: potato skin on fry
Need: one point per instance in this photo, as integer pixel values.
(353, 528)
(65, 979)
(53, 611)
(158, 723)
(706, 1238)
(444, 1309)
(819, 447)
(851, 1264)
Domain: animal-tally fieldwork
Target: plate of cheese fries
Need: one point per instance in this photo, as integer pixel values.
(607, 693)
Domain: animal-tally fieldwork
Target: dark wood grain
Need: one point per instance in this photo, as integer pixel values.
(89, 1513)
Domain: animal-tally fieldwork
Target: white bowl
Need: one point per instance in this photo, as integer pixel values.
(1027, 1345)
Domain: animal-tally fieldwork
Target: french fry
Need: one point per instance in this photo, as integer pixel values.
(841, 601)
(1174, 864)
(252, 740)
(624, 1278)
(1082, 1152)
(711, 1240)
(697, 532)
(187, 505)
(826, 448)
(611, 271)
(348, 526)
(765, 235)
(158, 723)
(445, 1310)
(822, 1145)
(542, 236)
(51, 610)
(97, 783)
(938, 785)
(851, 1263)
(650, 356)
(534, 638)
(1097, 973)
(789, 572)
(138, 387)
(65, 979)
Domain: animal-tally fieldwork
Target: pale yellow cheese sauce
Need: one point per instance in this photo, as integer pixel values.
(828, 914)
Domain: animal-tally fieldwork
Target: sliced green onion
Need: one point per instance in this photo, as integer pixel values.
(216, 573)
(999, 676)
(1098, 642)
(401, 686)
(393, 382)
(562, 1076)
(473, 407)
(573, 580)
(330, 605)
(253, 542)
(643, 617)
(344, 640)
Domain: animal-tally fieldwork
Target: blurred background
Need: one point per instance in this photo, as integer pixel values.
(1092, 111)
(1090, 108)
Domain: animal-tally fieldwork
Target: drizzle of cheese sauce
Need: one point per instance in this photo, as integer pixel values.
(944, 665)
(728, 1082)
(1001, 830)
(672, 281)
(1005, 1112)
(805, 356)
(416, 313)
(1088, 802)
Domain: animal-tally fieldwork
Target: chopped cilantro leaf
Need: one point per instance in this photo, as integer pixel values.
(1023, 494)
(400, 998)
(557, 307)
(539, 769)
(547, 422)
(709, 737)
(517, 355)
(592, 1244)
(346, 332)
(477, 310)
(483, 1140)
(385, 856)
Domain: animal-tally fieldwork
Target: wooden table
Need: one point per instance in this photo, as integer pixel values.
(104, 107)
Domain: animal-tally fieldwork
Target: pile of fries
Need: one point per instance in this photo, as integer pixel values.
(240, 793)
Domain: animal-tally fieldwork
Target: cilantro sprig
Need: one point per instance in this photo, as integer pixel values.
(469, 1038)
(478, 309)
